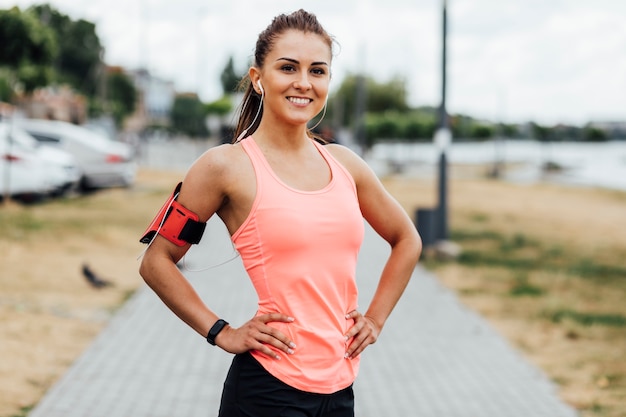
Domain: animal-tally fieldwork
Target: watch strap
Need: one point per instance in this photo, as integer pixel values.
(215, 330)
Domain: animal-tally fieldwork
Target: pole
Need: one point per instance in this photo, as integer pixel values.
(443, 138)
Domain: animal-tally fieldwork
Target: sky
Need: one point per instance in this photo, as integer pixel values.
(556, 61)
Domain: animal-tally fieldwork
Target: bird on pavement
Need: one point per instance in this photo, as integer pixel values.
(94, 280)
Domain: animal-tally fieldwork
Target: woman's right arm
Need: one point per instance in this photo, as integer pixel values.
(206, 189)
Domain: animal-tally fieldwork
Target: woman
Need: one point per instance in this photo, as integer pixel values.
(294, 210)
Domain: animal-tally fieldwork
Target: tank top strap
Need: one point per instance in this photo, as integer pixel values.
(335, 166)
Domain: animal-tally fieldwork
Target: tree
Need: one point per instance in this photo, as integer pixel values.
(28, 50)
(188, 115)
(229, 78)
(80, 50)
(219, 107)
(122, 96)
(381, 97)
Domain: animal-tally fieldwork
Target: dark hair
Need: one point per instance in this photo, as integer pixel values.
(300, 20)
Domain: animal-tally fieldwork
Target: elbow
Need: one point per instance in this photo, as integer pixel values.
(410, 245)
(416, 246)
(144, 269)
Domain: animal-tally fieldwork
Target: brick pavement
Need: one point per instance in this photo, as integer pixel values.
(435, 358)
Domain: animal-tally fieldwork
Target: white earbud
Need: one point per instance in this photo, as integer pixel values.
(260, 86)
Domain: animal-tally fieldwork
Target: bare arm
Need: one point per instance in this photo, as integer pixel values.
(207, 189)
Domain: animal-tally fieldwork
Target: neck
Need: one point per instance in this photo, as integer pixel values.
(281, 135)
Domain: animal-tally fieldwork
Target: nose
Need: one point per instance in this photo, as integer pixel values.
(302, 83)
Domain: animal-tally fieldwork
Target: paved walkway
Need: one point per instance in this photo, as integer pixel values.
(435, 358)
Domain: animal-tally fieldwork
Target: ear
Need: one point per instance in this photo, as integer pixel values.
(255, 78)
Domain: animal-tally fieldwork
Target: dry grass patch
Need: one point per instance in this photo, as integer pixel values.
(49, 313)
(545, 264)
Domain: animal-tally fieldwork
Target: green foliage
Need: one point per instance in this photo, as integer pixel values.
(188, 114)
(593, 134)
(394, 125)
(523, 288)
(80, 49)
(541, 133)
(587, 268)
(121, 95)
(229, 77)
(32, 76)
(380, 97)
(481, 131)
(220, 107)
(588, 319)
(24, 411)
(520, 253)
(24, 39)
(27, 52)
(6, 90)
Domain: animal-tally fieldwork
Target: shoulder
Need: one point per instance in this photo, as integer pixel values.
(216, 174)
(217, 162)
(355, 165)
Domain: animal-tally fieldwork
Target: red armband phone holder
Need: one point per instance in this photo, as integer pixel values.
(176, 223)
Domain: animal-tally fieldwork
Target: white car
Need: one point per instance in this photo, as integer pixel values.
(61, 168)
(22, 172)
(103, 162)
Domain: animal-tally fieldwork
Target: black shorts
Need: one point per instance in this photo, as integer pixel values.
(251, 391)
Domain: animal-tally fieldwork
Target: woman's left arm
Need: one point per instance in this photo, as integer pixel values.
(392, 223)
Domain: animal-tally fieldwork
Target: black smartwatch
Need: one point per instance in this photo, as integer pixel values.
(215, 330)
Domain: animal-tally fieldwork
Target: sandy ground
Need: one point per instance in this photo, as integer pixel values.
(49, 314)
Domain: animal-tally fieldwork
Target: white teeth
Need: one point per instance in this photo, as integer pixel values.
(297, 100)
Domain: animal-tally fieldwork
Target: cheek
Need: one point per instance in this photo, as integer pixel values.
(322, 89)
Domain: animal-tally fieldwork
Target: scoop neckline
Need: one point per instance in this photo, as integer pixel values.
(289, 187)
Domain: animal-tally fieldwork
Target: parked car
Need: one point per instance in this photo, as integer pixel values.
(22, 172)
(61, 168)
(103, 162)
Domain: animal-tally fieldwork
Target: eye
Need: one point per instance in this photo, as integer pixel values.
(319, 71)
(288, 68)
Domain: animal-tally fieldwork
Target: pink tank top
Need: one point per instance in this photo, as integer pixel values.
(300, 250)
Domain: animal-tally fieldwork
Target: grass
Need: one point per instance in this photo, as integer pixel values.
(588, 319)
(45, 296)
(548, 272)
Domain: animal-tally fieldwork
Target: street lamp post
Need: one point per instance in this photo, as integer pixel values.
(442, 140)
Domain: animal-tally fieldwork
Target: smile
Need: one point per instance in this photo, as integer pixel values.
(299, 100)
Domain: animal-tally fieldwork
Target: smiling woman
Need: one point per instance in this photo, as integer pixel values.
(294, 209)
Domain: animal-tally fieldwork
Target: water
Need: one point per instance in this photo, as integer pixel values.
(585, 164)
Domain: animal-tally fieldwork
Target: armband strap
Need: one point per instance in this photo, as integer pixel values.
(176, 223)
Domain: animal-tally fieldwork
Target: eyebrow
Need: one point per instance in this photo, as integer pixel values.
(295, 61)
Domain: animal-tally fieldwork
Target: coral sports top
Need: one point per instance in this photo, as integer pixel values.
(300, 250)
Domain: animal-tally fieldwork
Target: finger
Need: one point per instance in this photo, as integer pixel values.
(357, 346)
(266, 350)
(275, 317)
(278, 339)
(352, 314)
(356, 327)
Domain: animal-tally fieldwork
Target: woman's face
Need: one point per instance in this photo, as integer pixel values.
(295, 77)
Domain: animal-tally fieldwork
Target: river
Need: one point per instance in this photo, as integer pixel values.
(584, 164)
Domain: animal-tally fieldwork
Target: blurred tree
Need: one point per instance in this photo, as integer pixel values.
(541, 133)
(6, 92)
(220, 107)
(27, 50)
(229, 78)
(80, 50)
(593, 134)
(188, 114)
(390, 96)
(121, 96)
(481, 131)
